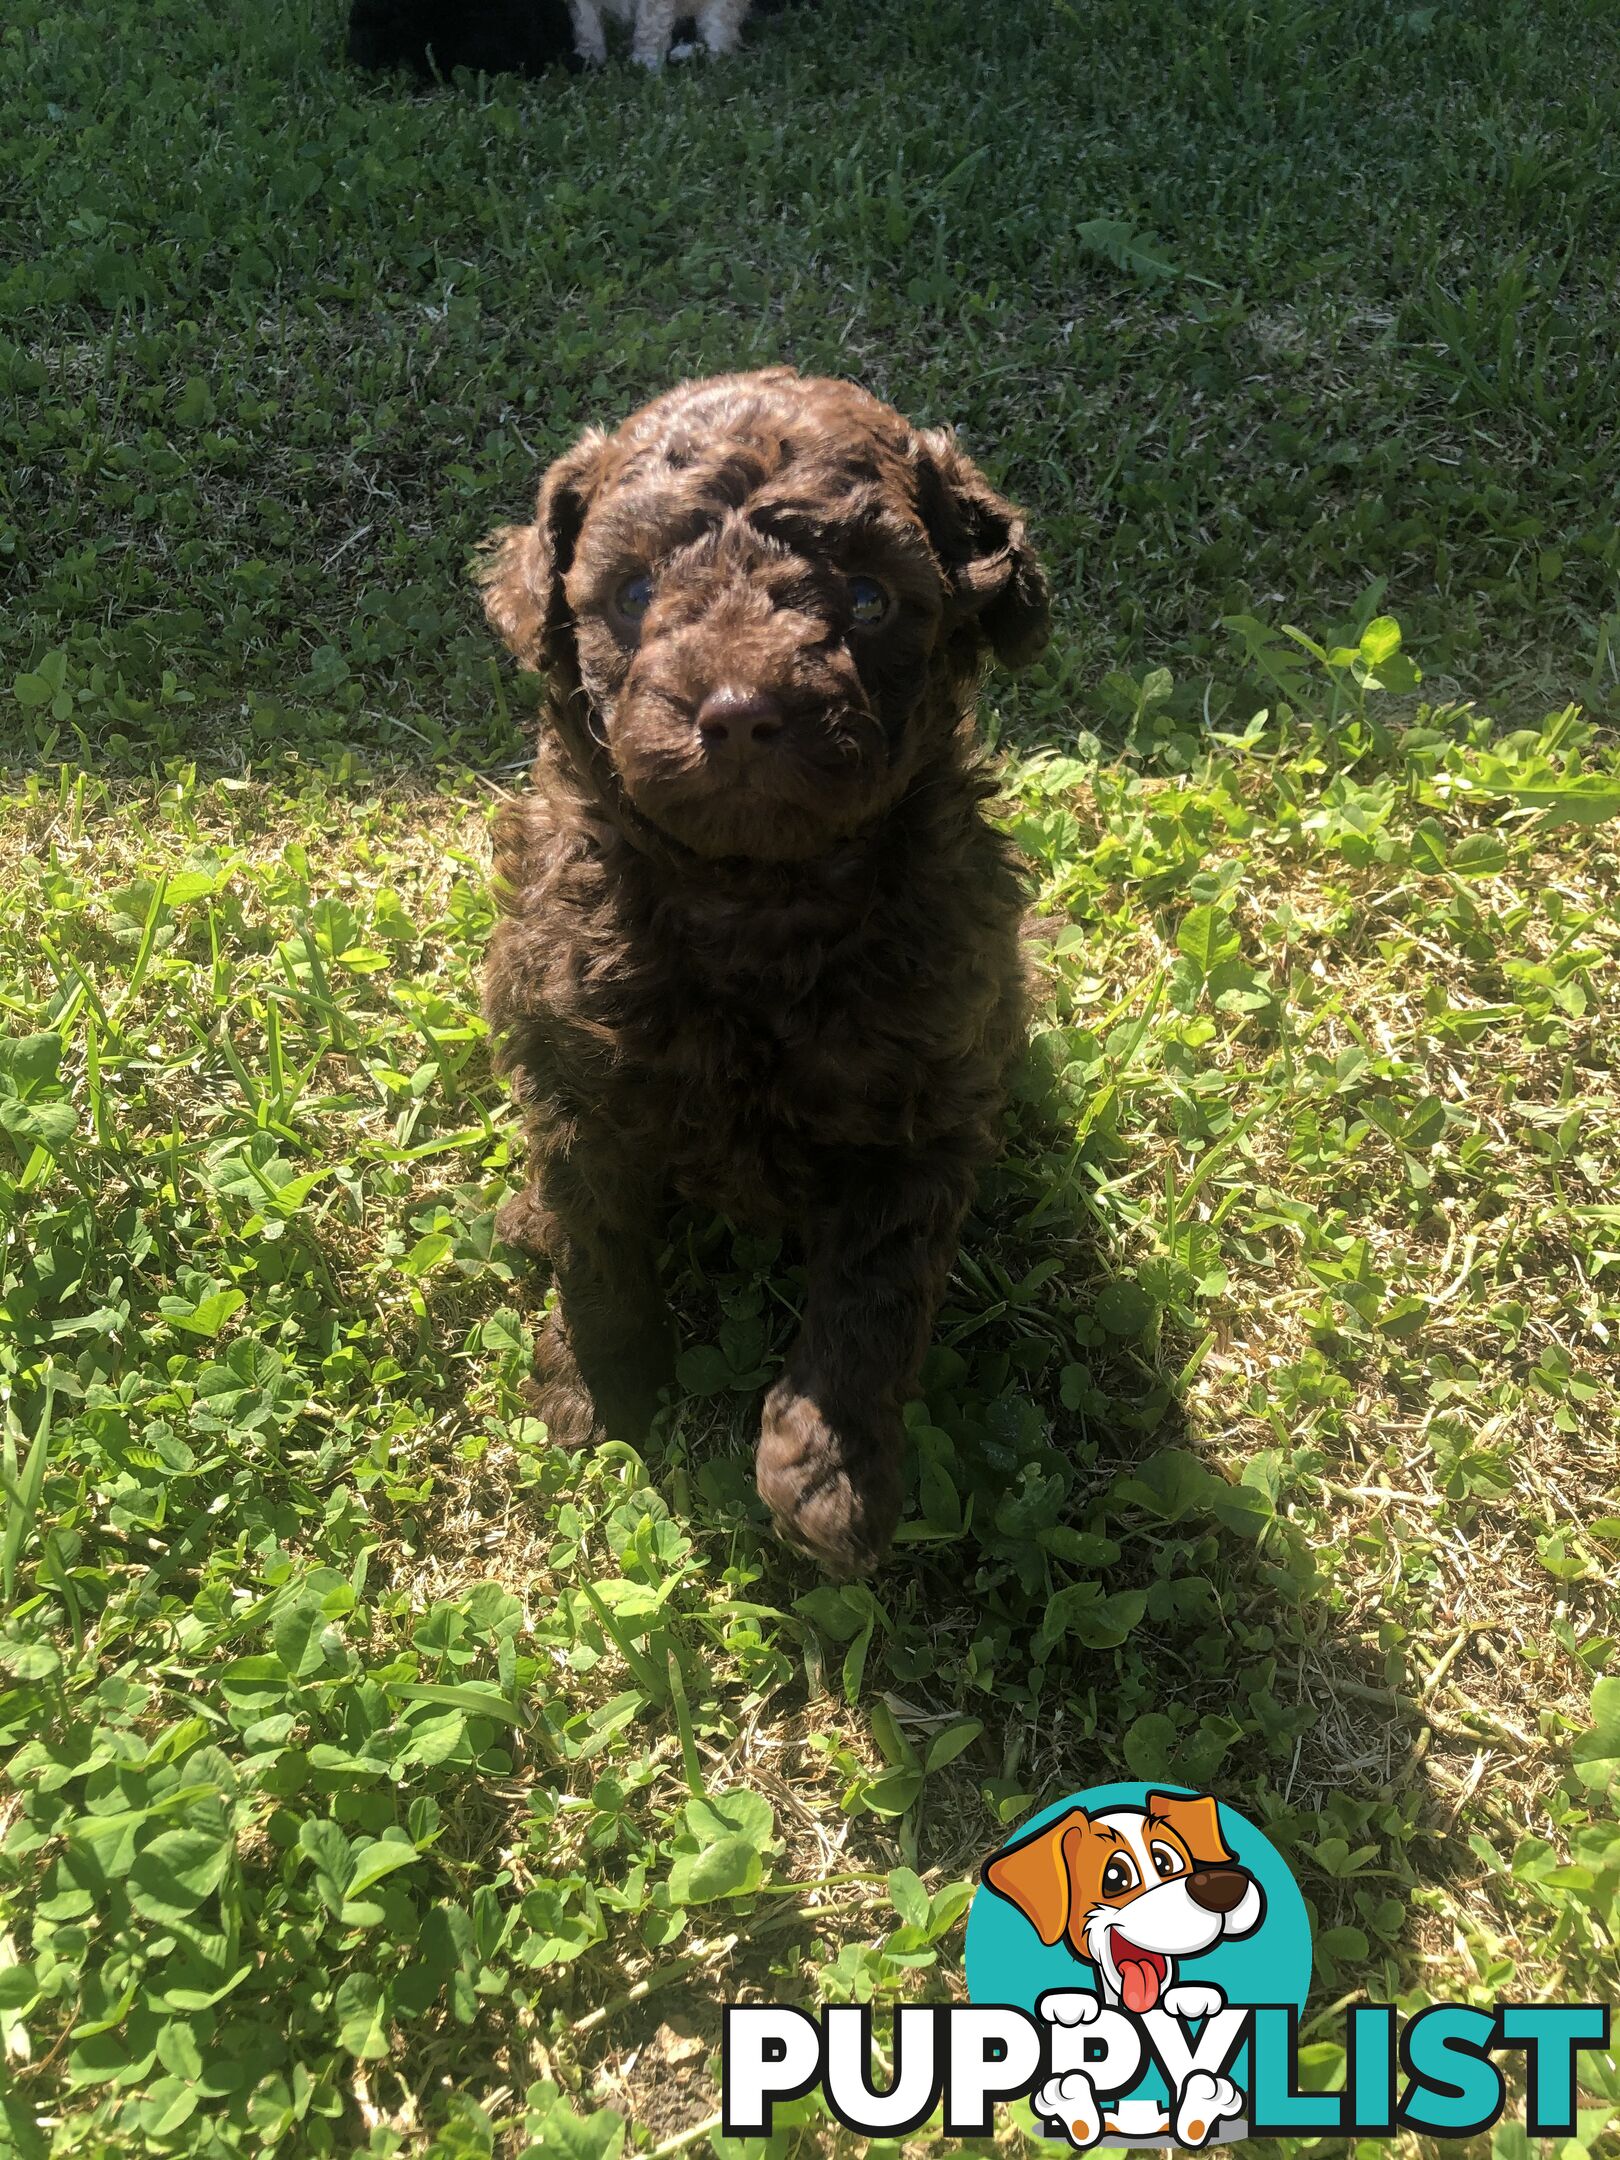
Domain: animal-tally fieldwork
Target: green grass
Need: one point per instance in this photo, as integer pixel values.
(276, 347)
(379, 1781)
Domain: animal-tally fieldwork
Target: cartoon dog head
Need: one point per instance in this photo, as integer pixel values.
(1131, 1890)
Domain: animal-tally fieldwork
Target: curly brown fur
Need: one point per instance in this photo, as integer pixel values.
(758, 946)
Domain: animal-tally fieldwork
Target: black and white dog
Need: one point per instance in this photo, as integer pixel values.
(516, 37)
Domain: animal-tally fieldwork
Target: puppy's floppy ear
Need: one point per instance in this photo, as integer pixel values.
(1197, 1822)
(523, 566)
(1035, 1875)
(995, 573)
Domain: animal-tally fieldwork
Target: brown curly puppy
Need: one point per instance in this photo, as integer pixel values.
(758, 945)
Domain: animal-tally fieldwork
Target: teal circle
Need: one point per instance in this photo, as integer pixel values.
(1006, 1961)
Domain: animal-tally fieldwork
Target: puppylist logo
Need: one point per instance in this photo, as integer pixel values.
(1160, 1922)
(1137, 1961)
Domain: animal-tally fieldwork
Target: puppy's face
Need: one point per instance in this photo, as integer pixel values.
(761, 603)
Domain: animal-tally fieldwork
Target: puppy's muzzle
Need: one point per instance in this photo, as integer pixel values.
(738, 727)
(1218, 1890)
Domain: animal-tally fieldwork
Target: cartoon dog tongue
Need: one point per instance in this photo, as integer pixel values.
(1139, 1972)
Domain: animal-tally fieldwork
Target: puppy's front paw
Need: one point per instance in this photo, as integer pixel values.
(1193, 2000)
(1203, 2104)
(833, 1491)
(556, 1393)
(568, 1420)
(522, 1222)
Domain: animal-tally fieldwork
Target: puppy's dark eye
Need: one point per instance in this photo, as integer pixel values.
(868, 602)
(634, 597)
(1168, 1861)
(1118, 1877)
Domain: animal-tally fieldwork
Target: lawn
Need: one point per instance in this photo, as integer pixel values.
(378, 1780)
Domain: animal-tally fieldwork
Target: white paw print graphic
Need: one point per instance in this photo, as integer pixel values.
(1069, 2104)
(1202, 2105)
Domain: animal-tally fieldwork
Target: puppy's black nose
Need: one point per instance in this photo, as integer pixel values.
(735, 723)
(1217, 1889)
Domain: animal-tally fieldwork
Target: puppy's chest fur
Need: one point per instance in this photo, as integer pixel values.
(741, 1033)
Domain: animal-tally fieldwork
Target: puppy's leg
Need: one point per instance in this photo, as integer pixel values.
(590, 39)
(830, 1446)
(655, 25)
(603, 1352)
(720, 25)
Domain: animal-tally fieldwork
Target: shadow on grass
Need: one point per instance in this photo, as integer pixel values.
(1075, 1574)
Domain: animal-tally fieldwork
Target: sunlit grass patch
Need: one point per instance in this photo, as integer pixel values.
(381, 1774)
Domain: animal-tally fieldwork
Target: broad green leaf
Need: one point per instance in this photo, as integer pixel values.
(31, 691)
(166, 2104)
(191, 1982)
(893, 1792)
(194, 408)
(52, 1124)
(1105, 1625)
(704, 1370)
(897, 1748)
(556, 2132)
(840, 1611)
(1591, 800)
(435, 1739)
(327, 1846)
(1479, 855)
(740, 1812)
(1208, 936)
(1081, 1548)
(1429, 847)
(30, 1660)
(1124, 1308)
(185, 886)
(31, 1062)
(253, 1684)
(1171, 1483)
(305, 1640)
(1402, 1316)
(362, 2017)
(1149, 1746)
(178, 2050)
(176, 1871)
(379, 1857)
(427, 1253)
(207, 1316)
(947, 1745)
(908, 1897)
(724, 1869)
(1597, 1751)
(121, 2057)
